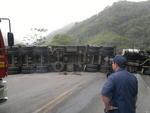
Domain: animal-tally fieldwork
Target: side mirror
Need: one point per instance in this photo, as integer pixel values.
(10, 38)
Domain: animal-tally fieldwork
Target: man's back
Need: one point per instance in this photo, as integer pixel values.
(120, 89)
(125, 91)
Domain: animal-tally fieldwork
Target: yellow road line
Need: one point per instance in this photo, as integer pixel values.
(47, 107)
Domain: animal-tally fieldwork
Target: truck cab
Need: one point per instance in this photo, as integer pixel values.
(4, 62)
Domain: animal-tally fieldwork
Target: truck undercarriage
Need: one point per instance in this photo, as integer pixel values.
(72, 58)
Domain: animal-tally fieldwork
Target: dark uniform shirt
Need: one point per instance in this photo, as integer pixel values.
(122, 88)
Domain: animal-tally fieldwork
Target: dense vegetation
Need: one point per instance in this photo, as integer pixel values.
(124, 24)
(62, 40)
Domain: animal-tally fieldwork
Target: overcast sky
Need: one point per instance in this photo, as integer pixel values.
(50, 14)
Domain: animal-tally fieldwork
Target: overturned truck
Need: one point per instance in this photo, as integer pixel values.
(138, 61)
(59, 58)
(73, 58)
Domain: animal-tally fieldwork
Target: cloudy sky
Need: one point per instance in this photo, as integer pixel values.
(50, 14)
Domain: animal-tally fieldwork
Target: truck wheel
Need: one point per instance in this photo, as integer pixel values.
(91, 70)
(58, 66)
(94, 66)
(41, 69)
(27, 70)
(146, 72)
(78, 67)
(13, 70)
(70, 67)
(104, 68)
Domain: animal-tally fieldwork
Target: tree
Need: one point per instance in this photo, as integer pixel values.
(62, 39)
(36, 36)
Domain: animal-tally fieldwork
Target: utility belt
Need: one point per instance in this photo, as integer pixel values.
(111, 110)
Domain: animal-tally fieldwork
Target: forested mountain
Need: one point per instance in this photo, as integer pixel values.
(63, 30)
(124, 24)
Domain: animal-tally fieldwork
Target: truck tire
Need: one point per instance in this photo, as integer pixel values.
(91, 70)
(146, 72)
(41, 69)
(12, 52)
(27, 70)
(104, 68)
(78, 67)
(58, 66)
(13, 70)
(94, 66)
(69, 67)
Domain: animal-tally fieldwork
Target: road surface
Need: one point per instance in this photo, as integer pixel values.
(59, 93)
(49, 92)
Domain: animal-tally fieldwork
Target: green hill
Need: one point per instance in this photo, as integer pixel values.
(124, 24)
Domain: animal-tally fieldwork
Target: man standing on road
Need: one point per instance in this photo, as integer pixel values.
(119, 93)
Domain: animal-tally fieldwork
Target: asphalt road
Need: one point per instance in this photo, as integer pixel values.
(84, 99)
(146, 79)
(52, 92)
(87, 100)
(58, 93)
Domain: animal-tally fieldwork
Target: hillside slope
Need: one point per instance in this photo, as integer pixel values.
(59, 31)
(124, 24)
